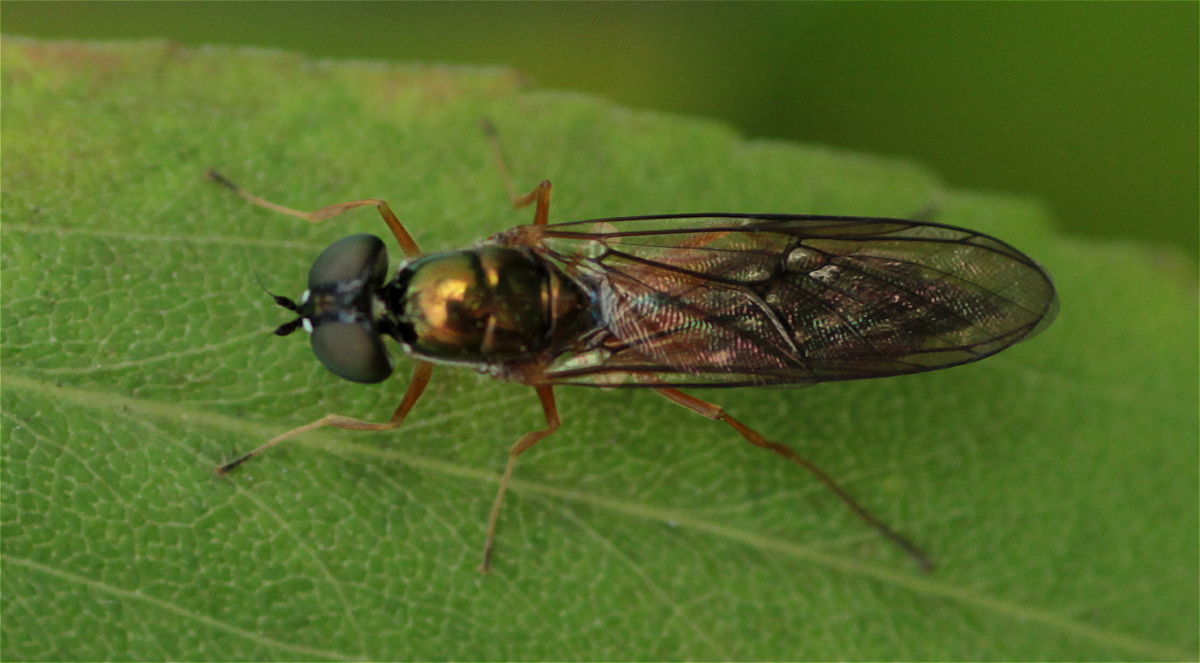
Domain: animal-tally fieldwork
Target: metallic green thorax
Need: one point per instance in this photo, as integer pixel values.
(489, 304)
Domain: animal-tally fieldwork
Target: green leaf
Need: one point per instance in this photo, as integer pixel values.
(1056, 484)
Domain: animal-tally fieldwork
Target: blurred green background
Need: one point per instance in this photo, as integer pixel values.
(1091, 107)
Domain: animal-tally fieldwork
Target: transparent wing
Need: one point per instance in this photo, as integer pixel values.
(728, 300)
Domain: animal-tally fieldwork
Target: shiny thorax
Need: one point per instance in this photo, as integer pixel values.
(486, 305)
(493, 307)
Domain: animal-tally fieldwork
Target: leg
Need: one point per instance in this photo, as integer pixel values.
(407, 243)
(929, 212)
(541, 193)
(546, 394)
(416, 386)
(715, 412)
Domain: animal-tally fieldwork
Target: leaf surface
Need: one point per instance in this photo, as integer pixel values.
(1055, 484)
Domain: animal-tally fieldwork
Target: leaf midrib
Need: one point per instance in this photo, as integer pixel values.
(681, 519)
(178, 610)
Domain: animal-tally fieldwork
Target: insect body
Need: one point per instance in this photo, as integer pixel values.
(662, 302)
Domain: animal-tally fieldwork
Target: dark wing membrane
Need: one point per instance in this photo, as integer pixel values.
(727, 300)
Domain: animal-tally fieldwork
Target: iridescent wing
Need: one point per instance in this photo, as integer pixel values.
(730, 300)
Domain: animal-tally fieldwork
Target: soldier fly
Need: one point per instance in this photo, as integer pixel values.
(664, 302)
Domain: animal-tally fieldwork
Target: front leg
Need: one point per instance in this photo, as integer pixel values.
(407, 243)
(416, 386)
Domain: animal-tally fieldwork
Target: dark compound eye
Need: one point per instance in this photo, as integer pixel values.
(351, 351)
(357, 258)
(341, 282)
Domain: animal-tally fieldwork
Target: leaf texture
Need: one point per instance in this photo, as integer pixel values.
(1054, 484)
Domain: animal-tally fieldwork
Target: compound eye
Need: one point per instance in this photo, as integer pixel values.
(355, 258)
(351, 351)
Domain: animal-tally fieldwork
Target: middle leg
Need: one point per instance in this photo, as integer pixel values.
(546, 394)
(540, 193)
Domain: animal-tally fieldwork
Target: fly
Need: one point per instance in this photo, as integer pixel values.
(664, 302)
